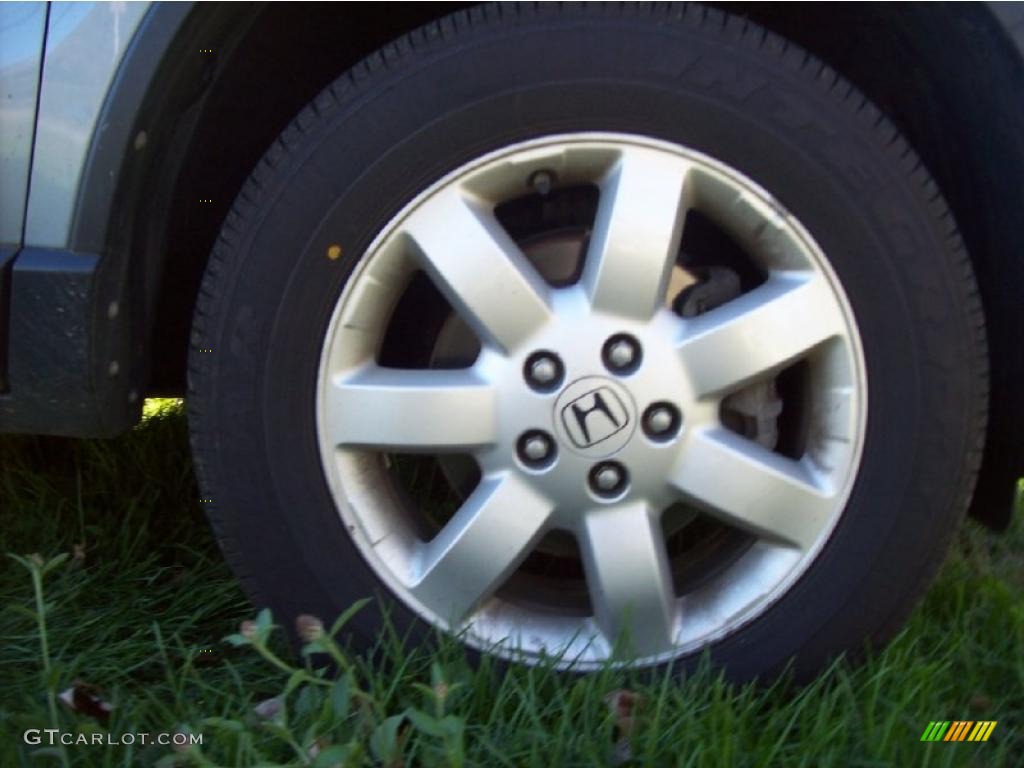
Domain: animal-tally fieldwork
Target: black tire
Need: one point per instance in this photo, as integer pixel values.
(484, 78)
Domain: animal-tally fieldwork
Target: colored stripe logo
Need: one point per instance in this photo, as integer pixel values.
(959, 730)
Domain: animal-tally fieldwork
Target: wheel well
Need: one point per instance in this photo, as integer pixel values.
(234, 80)
(212, 115)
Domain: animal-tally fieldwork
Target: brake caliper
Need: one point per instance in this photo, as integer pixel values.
(753, 411)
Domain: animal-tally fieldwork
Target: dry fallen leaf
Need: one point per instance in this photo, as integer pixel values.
(85, 699)
(268, 709)
(309, 628)
(623, 705)
(316, 747)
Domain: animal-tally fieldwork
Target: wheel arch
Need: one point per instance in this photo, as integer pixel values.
(202, 92)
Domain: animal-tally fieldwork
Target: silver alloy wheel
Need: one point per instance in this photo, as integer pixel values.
(789, 505)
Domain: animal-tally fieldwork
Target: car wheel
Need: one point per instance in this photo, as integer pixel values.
(608, 334)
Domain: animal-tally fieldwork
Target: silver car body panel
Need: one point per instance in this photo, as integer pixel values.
(22, 28)
(85, 43)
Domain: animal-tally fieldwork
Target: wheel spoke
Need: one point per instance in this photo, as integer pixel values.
(746, 485)
(636, 233)
(479, 548)
(480, 270)
(411, 410)
(628, 577)
(758, 333)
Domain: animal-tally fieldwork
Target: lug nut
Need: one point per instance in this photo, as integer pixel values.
(543, 371)
(661, 421)
(536, 448)
(621, 353)
(608, 478)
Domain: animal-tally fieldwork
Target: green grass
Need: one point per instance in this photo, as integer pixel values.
(143, 603)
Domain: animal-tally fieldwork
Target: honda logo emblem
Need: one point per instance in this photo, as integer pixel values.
(594, 416)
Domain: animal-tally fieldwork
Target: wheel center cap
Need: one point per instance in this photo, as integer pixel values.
(595, 417)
